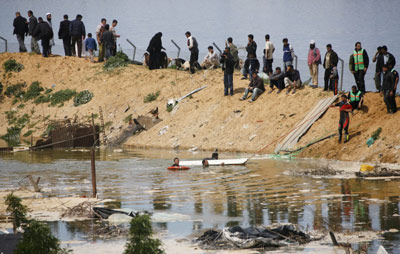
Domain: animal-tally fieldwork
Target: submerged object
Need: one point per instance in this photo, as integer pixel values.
(177, 168)
(240, 161)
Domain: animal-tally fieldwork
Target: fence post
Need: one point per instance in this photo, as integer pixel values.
(93, 161)
(216, 46)
(176, 45)
(295, 61)
(341, 74)
(6, 42)
(134, 49)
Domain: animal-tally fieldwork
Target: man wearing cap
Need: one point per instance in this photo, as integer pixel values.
(314, 59)
(359, 66)
(330, 60)
(48, 17)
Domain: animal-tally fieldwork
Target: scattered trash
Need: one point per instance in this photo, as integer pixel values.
(252, 137)
(127, 108)
(253, 237)
(323, 171)
(376, 171)
(374, 136)
(163, 130)
(193, 149)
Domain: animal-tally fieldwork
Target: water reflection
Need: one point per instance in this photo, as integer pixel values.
(258, 194)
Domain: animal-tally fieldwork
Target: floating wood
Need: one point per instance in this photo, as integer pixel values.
(301, 127)
(34, 183)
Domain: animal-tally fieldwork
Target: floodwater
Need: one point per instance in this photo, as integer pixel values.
(260, 193)
(339, 22)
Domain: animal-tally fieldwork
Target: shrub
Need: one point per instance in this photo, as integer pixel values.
(1, 88)
(151, 97)
(82, 98)
(58, 98)
(17, 209)
(140, 239)
(12, 65)
(376, 133)
(16, 90)
(12, 136)
(33, 91)
(119, 60)
(37, 238)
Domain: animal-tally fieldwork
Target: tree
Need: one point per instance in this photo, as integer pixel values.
(140, 239)
(17, 210)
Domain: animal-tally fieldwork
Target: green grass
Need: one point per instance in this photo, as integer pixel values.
(12, 65)
(151, 97)
(58, 98)
(119, 60)
(33, 91)
(16, 90)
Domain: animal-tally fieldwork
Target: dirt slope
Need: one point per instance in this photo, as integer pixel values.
(206, 121)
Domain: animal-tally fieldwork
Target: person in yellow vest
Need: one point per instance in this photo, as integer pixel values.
(356, 98)
(360, 66)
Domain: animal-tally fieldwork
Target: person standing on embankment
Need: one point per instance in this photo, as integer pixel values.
(31, 27)
(78, 33)
(63, 34)
(194, 50)
(20, 30)
(359, 66)
(314, 60)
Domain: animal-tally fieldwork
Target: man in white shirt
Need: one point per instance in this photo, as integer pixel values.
(211, 60)
(114, 32)
(99, 32)
(194, 50)
(268, 57)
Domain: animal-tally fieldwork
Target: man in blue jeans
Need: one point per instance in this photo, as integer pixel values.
(256, 87)
(228, 63)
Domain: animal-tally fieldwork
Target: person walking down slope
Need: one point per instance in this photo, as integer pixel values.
(330, 60)
(78, 33)
(388, 89)
(31, 27)
(314, 59)
(44, 33)
(63, 34)
(108, 40)
(344, 120)
(228, 64)
(20, 30)
(194, 50)
(360, 66)
(288, 53)
(154, 49)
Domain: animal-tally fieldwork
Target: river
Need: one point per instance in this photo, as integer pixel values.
(260, 193)
(339, 22)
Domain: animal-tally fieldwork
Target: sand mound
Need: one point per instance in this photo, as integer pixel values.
(206, 120)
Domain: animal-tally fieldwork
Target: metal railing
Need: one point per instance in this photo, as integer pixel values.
(341, 74)
(6, 42)
(216, 46)
(179, 49)
(295, 61)
(134, 49)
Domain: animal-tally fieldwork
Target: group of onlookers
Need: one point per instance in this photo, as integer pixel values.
(72, 33)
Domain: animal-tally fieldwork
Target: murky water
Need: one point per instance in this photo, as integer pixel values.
(260, 193)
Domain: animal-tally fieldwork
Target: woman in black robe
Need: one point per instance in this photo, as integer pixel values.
(154, 49)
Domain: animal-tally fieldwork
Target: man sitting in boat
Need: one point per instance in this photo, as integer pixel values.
(176, 162)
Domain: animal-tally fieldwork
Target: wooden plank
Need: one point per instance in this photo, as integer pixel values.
(301, 127)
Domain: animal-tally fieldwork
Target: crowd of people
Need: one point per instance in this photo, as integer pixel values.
(72, 33)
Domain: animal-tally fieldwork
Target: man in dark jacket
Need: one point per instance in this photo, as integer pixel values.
(292, 79)
(251, 65)
(228, 64)
(63, 34)
(381, 59)
(44, 33)
(331, 59)
(31, 27)
(277, 79)
(78, 33)
(256, 87)
(108, 40)
(388, 89)
(360, 66)
(20, 30)
(251, 50)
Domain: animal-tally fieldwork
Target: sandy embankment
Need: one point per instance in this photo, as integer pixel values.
(208, 120)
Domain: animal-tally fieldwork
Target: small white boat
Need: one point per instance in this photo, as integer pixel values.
(240, 161)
